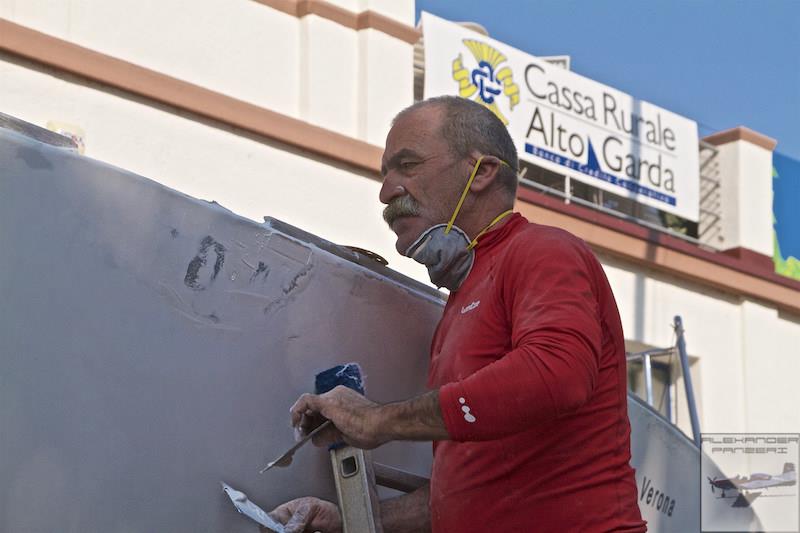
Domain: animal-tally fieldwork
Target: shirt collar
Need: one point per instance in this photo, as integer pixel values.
(496, 235)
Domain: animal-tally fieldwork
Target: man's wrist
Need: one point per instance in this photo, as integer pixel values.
(419, 418)
(386, 419)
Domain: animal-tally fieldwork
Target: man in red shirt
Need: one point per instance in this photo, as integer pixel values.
(527, 408)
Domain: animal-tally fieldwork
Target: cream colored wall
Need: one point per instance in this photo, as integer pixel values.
(309, 68)
(772, 368)
(399, 10)
(746, 355)
(329, 65)
(237, 47)
(345, 83)
(382, 92)
(745, 171)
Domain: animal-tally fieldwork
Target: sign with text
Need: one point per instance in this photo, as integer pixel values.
(567, 123)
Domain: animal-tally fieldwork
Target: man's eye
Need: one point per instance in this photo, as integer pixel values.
(408, 165)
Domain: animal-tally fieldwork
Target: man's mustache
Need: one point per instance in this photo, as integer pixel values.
(402, 206)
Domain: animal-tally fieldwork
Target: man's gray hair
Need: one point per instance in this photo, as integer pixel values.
(468, 125)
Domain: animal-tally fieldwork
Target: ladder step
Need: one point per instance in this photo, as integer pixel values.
(397, 479)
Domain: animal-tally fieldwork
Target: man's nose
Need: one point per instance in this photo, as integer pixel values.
(390, 190)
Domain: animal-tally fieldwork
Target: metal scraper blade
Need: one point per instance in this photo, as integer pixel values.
(285, 459)
(251, 510)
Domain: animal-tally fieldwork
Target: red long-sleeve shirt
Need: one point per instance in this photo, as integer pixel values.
(530, 361)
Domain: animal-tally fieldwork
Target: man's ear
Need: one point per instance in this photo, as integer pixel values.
(487, 173)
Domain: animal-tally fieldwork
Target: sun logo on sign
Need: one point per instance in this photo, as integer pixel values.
(488, 79)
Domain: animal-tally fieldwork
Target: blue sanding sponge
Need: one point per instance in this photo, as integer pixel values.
(348, 374)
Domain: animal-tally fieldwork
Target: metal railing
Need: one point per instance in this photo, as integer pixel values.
(709, 230)
(570, 199)
(646, 358)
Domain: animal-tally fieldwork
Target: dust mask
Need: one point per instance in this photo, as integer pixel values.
(445, 249)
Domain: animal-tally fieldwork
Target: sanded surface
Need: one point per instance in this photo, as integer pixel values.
(151, 345)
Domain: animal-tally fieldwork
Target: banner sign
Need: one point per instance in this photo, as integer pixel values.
(567, 123)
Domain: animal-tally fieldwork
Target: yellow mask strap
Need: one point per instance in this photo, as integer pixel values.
(464, 196)
(497, 219)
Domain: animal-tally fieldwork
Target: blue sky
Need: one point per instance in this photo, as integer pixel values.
(722, 63)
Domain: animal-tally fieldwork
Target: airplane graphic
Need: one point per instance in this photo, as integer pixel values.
(745, 487)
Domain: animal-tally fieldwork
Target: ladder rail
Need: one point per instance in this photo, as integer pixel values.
(355, 487)
(357, 478)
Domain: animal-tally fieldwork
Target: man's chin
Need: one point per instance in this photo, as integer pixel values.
(402, 243)
(406, 232)
(401, 246)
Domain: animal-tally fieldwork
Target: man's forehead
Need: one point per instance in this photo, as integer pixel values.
(415, 131)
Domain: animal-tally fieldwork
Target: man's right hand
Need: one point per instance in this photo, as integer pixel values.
(308, 515)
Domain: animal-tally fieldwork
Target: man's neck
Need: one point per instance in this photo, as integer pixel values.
(484, 219)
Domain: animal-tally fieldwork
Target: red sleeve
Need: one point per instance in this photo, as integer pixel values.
(556, 338)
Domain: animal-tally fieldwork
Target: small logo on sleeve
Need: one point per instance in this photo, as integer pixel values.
(469, 417)
(467, 308)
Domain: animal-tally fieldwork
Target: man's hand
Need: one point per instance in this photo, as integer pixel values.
(356, 419)
(365, 424)
(308, 514)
